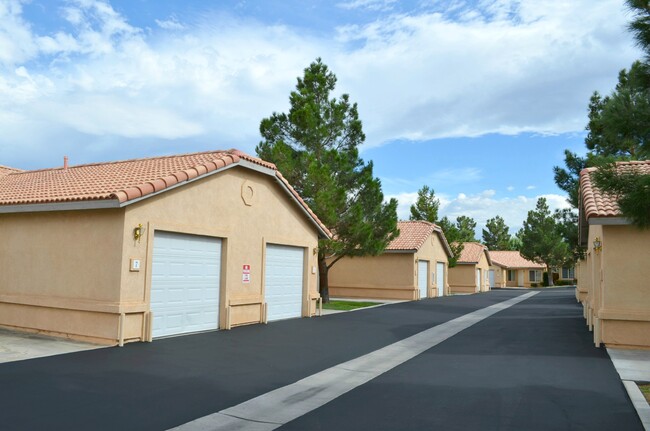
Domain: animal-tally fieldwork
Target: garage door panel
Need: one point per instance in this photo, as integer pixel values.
(440, 278)
(186, 272)
(283, 281)
(423, 271)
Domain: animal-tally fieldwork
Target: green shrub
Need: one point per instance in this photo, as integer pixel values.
(545, 279)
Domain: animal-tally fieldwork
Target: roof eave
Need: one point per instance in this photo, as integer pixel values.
(611, 221)
(92, 204)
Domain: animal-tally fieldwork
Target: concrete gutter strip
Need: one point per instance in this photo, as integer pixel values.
(640, 404)
(278, 407)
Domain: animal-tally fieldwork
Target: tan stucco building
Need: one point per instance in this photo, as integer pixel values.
(511, 269)
(414, 266)
(132, 250)
(614, 279)
(471, 273)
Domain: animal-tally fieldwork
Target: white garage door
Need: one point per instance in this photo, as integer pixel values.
(423, 272)
(492, 283)
(440, 278)
(283, 281)
(185, 279)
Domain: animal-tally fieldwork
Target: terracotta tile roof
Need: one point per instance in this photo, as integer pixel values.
(471, 253)
(126, 180)
(595, 203)
(6, 170)
(413, 234)
(513, 260)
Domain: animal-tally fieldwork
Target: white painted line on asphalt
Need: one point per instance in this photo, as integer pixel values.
(640, 404)
(274, 409)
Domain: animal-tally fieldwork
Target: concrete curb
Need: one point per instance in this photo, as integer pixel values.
(640, 404)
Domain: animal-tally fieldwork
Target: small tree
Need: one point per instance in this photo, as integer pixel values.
(426, 206)
(496, 236)
(542, 240)
(315, 146)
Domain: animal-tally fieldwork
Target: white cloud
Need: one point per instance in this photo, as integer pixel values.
(375, 5)
(510, 188)
(442, 178)
(530, 187)
(504, 66)
(170, 24)
(483, 206)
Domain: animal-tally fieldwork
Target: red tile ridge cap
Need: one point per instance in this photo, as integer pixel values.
(156, 185)
(12, 170)
(252, 159)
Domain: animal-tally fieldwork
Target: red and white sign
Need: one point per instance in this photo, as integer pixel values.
(246, 274)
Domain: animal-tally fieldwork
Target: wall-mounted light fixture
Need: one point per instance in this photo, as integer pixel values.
(598, 245)
(138, 231)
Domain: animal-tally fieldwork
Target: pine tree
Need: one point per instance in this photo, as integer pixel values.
(315, 146)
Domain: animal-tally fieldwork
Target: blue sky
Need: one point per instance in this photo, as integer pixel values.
(477, 99)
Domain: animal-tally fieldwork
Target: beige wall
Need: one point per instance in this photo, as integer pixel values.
(523, 274)
(583, 280)
(79, 260)
(433, 251)
(462, 277)
(60, 272)
(499, 276)
(387, 276)
(616, 280)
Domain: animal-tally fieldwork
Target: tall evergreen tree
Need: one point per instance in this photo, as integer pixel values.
(496, 236)
(567, 224)
(315, 146)
(620, 125)
(568, 179)
(453, 238)
(457, 233)
(542, 239)
(466, 228)
(426, 206)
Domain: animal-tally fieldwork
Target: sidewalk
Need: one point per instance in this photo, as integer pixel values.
(18, 346)
(634, 366)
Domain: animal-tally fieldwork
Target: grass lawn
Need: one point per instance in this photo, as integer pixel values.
(347, 305)
(645, 390)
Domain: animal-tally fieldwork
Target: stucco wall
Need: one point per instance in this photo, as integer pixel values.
(433, 251)
(523, 274)
(584, 280)
(214, 207)
(55, 262)
(387, 276)
(500, 276)
(462, 277)
(617, 300)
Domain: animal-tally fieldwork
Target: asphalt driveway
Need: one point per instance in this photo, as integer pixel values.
(531, 366)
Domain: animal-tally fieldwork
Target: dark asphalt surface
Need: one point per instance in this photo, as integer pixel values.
(529, 367)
